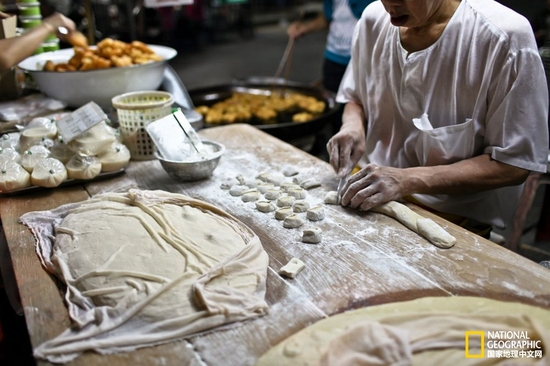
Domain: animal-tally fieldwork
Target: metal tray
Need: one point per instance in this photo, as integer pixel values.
(68, 182)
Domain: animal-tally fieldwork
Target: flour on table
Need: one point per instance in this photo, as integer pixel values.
(147, 267)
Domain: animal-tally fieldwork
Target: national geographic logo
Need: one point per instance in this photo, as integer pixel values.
(501, 344)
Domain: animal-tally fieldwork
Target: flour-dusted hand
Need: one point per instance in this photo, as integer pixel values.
(348, 145)
(374, 185)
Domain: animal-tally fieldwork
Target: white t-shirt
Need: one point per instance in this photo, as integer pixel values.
(479, 89)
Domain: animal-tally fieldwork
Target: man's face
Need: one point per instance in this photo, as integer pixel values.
(411, 13)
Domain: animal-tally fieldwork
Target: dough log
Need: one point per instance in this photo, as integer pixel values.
(420, 225)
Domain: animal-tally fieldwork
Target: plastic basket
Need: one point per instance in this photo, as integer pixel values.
(135, 111)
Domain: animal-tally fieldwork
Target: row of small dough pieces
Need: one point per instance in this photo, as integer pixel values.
(265, 184)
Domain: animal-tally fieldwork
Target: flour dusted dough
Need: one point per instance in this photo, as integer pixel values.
(251, 195)
(293, 221)
(292, 268)
(420, 225)
(300, 206)
(147, 267)
(285, 201)
(283, 213)
(331, 198)
(312, 235)
(238, 190)
(410, 327)
(265, 206)
(316, 213)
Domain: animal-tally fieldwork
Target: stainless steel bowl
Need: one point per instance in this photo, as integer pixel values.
(77, 88)
(198, 169)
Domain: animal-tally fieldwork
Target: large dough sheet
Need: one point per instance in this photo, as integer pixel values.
(147, 267)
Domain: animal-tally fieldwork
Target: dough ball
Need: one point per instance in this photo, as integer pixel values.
(286, 186)
(283, 213)
(316, 213)
(240, 178)
(238, 190)
(228, 184)
(250, 195)
(265, 206)
(300, 206)
(32, 156)
(49, 173)
(310, 183)
(13, 176)
(293, 221)
(289, 171)
(114, 157)
(252, 183)
(273, 193)
(312, 235)
(83, 167)
(299, 193)
(331, 198)
(285, 201)
(263, 187)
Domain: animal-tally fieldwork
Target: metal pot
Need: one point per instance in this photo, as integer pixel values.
(284, 129)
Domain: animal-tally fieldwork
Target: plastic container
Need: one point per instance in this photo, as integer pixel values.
(50, 46)
(134, 111)
(30, 22)
(29, 9)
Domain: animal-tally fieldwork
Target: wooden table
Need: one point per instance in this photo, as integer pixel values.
(364, 258)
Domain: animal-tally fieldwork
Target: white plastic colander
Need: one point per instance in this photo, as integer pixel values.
(135, 111)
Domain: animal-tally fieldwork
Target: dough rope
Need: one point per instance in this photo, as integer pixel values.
(425, 227)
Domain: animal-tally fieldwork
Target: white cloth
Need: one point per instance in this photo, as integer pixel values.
(147, 267)
(479, 89)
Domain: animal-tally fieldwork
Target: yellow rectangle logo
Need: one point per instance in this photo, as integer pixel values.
(479, 333)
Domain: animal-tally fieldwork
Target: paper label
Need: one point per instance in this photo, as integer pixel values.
(80, 121)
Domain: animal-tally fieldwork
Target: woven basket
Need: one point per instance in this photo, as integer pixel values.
(135, 111)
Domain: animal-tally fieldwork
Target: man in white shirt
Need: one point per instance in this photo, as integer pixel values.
(446, 101)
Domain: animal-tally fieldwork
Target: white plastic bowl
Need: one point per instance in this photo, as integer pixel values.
(77, 88)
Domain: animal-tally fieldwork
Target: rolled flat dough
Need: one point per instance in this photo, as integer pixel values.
(426, 331)
(147, 267)
(420, 225)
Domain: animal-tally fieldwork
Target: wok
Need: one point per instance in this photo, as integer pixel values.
(284, 129)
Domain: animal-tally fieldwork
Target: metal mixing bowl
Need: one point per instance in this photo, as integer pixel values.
(77, 88)
(198, 169)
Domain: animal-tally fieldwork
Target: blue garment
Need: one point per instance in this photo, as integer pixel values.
(342, 20)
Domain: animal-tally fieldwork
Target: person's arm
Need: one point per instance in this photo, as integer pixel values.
(348, 145)
(374, 185)
(15, 49)
(299, 28)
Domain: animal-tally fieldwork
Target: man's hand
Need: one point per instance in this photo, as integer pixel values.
(372, 186)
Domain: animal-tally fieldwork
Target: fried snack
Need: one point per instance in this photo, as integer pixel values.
(77, 39)
(49, 66)
(260, 108)
(108, 53)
